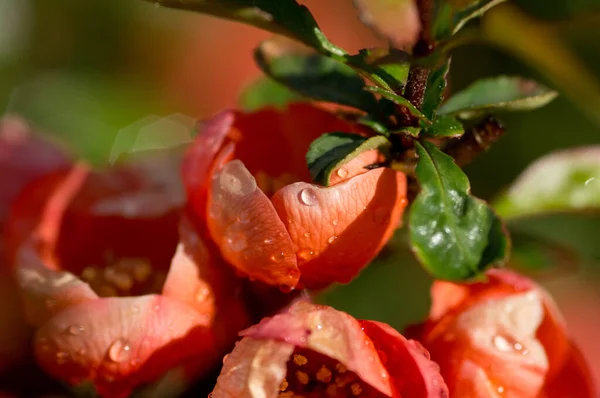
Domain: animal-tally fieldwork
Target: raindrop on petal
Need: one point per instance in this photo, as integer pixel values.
(342, 172)
(75, 329)
(278, 257)
(119, 351)
(305, 254)
(308, 197)
(332, 239)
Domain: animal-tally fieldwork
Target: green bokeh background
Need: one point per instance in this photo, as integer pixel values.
(83, 71)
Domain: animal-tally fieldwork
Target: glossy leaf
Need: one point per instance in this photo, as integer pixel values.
(266, 92)
(453, 234)
(396, 20)
(563, 181)
(398, 100)
(498, 93)
(331, 151)
(451, 15)
(284, 17)
(444, 126)
(314, 75)
(434, 92)
(544, 49)
(386, 68)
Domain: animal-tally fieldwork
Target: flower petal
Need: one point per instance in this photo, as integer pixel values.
(23, 157)
(573, 381)
(200, 157)
(327, 331)
(337, 230)
(255, 368)
(45, 291)
(200, 279)
(244, 224)
(413, 374)
(120, 343)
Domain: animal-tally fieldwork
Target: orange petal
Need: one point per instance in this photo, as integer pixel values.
(573, 381)
(255, 368)
(46, 292)
(200, 157)
(199, 278)
(246, 227)
(121, 343)
(336, 231)
(356, 166)
(413, 374)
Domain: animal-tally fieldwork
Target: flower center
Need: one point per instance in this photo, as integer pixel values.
(310, 374)
(124, 277)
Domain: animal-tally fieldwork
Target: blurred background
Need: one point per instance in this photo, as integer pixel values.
(94, 73)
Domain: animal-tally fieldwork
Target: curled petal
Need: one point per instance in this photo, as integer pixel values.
(46, 292)
(336, 231)
(573, 380)
(412, 373)
(255, 368)
(23, 157)
(332, 333)
(246, 227)
(199, 159)
(119, 343)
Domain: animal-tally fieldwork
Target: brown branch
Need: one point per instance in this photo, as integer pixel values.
(475, 141)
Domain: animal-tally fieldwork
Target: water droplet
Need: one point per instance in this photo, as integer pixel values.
(342, 172)
(268, 241)
(307, 234)
(500, 390)
(308, 197)
(75, 329)
(237, 242)
(225, 358)
(319, 326)
(502, 344)
(589, 181)
(202, 294)
(332, 239)
(335, 223)
(62, 357)
(381, 215)
(305, 254)
(215, 210)
(278, 257)
(119, 351)
(286, 288)
(244, 217)
(135, 309)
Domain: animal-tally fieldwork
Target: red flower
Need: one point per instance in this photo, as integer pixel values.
(316, 351)
(502, 338)
(23, 157)
(247, 179)
(117, 295)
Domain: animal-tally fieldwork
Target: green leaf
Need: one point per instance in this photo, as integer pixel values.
(266, 92)
(397, 20)
(444, 126)
(411, 131)
(453, 234)
(398, 100)
(314, 75)
(333, 150)
(386, 68)
(498, 93)
(284, 17)
(563, 181)
(451, 15)
(544, 49)
(434, 92)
